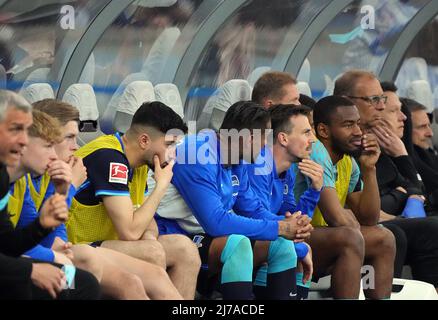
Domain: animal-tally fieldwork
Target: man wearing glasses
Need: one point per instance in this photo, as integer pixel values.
(364, 89)
(413, 236)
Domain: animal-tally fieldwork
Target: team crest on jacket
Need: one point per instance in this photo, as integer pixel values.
(235, 180)
(198, 240)
(118, 173)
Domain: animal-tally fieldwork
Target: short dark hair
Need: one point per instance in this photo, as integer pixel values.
(245, 115)
(280, 115)
(388, 86)
(412, 105)
(270, 85)
(326, 107)
(158, 116)
(307, 101)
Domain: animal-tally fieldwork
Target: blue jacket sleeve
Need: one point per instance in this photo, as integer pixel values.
(29, 214)
(307, 202)
(260, 186)
(51, 191)
(71, 194)
(301, 249)
(248, 202)
(289, 204)
(40, 253)
(60, 232)
(197, 185)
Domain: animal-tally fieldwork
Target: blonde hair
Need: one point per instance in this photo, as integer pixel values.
(45, 127)
(57, 109)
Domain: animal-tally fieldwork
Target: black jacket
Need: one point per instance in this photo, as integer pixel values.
(393, 173)
(425, 162)
(14, 242)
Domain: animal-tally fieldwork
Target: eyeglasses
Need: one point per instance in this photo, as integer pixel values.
(373, 100)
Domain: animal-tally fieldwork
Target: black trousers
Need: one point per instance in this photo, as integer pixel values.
(417, 246)
(86, 287)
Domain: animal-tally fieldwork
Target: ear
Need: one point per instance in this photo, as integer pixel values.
(282, 139)
(323, 130)
(267, 103)
(144, 141)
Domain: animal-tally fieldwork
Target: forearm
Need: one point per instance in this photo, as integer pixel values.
(261, 214)
(386, 217)
(333, 210)
(393, 202)
(407, 169)
(308, 202)
(345, 218)
(369, 206)
(143, 216)
(41, 253)
(59, 232)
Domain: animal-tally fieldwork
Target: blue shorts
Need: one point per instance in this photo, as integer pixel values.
(167, 226)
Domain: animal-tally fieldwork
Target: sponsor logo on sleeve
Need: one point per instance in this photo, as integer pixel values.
(118, 173)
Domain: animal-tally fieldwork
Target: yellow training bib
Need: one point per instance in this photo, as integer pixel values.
(16, 200)
(90, 223)
(344, 169)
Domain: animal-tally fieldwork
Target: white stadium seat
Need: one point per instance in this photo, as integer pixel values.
(411, 290)
(304, 73)
(329, 86)
(412, 69)
(135, 94)
(81, 95)
(304, 88)
(414, 290)
(37, 92)
(420, 91)
(106, 121)
(159, 54)
(168, 94)
(39, 75)
(216, 107)
(151, 71)
(256, 74)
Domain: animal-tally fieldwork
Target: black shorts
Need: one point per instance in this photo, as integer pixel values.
(203, 242)
(207, 282)
(96, 244)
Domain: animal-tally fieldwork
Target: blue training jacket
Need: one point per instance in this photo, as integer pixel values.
(220, 197)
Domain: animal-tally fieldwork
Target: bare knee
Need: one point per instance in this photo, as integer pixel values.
(131, 286)
(85, 257)
(385, 241)
(350, 240)
(187, 253)
(153, 251)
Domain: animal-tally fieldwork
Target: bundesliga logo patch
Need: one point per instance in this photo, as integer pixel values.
(118, 173)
